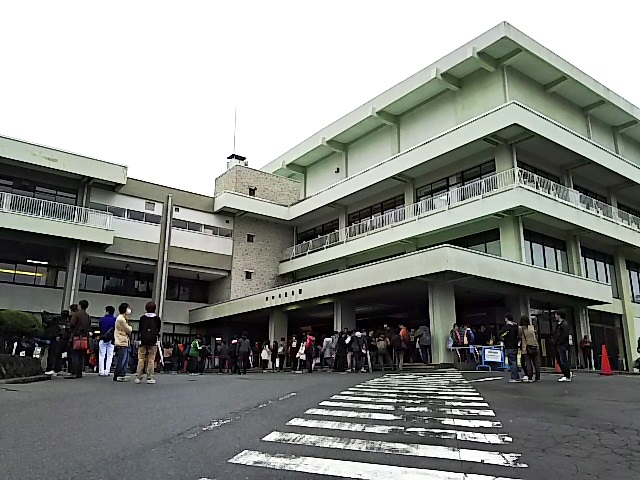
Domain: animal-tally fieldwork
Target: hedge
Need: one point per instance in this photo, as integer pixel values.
(13, 366)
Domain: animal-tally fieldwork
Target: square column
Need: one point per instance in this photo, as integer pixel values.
(628, 320)
(410, 192)
(581, 319)
(512, 238)
(344, 315)
(278, 324)
(72, 278)
(505, 158)
(518, 305)
(442, 315)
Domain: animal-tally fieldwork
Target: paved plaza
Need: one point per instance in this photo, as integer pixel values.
(408, 425)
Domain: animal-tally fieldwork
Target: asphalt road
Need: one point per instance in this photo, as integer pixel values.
(190, 427)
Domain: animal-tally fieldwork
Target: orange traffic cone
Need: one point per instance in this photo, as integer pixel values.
(606, 368)
(558, 369)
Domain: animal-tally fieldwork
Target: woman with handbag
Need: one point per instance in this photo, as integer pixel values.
(530, 350)
(122, 336)
(79, 326)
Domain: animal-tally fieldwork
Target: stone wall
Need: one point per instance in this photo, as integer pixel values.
(262, 256)
(274, 188)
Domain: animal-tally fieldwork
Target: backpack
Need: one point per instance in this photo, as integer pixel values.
(149, 330)
(425, 339)
(108, 336)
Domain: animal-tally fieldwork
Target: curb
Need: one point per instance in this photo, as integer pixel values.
(22, 380)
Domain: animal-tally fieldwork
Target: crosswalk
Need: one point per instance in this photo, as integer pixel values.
(408, 426)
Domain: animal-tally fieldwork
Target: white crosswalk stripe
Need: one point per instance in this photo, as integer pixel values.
(420, 414)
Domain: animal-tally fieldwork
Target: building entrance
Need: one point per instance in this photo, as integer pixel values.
(543, 319)
(606, 329)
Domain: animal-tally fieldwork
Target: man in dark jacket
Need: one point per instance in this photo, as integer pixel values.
(150, 324)
(560, 339)
(223, 357)
(79, 326)
(509, 336)
(244, 350)
(52, 333)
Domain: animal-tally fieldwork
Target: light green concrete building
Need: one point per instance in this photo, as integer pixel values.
(498, 179)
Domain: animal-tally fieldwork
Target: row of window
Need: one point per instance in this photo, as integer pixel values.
(461, 178)
(539, 172)
(376, 209)
(634, 278)
(28, 188)
(148, 217)
(600, 266)
(544, 251)
(139, 284)
(485, 242)
(318, 231)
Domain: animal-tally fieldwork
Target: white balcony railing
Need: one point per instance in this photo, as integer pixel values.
(60, 212)
(498, 182)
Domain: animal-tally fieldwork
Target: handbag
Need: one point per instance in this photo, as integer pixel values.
(80, 342)
(532, 349)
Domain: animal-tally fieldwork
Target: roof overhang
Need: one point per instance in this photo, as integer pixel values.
(69, 164)
(503, 45)
(413, 265)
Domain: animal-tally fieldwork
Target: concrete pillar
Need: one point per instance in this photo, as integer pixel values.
(410, 192)
(72, 279)
(344, 315)
(162, 265)
(278, 324)
(342, 222)
(581, 319)
(512, 238)
(567, 179)
(574, 252)
(628, 321)
(442, 315)
(505, 158)
(518, 305)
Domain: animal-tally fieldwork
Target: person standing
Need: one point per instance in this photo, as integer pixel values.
(327, 352)
(223, 357)
(274, 357)
(309, 351)
(560, 339)
(233, 355)
(509, 336)
(340, 363)
(123, 342)
(293, 353)
(150, 324)
(244, 350)
(265, 356)
(398, 351)
(530, 350)
(586, 348)
(282, 353)
(194, 356)
(79, 324)
(53, 324)
(107, 332)
(383, 353)
(425, 343)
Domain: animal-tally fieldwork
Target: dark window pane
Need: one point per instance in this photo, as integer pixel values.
(25, 274)
(117, 211)
(135, 215)
(98, 206)
(152, 218)
(177, 223)
(210, 230)
(194, 227)
(614, 281)
(7, 272)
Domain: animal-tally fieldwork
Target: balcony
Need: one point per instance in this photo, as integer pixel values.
(52, 218)
(486, 187)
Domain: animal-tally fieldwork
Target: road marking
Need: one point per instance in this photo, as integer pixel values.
(368, 406)
(486, 379)
(347, 413)
(348, 469)
(395, 390)
(355, 392)
(376, 399)
(397, 448)
(490, 438)
(460, 412)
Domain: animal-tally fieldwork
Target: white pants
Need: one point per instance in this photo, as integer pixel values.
(106, 350)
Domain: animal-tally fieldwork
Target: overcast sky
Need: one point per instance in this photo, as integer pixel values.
(153, 84)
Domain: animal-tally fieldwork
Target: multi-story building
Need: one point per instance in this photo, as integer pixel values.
(73, 227)
(500, 178)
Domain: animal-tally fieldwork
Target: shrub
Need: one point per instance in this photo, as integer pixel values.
(15, 324)
(13, 367)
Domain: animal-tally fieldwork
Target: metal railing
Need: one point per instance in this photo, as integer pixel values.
(498, 182)
(60, 212)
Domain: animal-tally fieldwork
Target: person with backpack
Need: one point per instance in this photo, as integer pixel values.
(530, 350)
(425, 343)
(194, 355)
(107, 333)
(509, 336)
(399, 347)
(223, 357)
(150, 324)
(383, 353)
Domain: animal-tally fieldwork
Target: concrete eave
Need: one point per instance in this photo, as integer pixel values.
(427, 262)
(68, 163)
(437, 73)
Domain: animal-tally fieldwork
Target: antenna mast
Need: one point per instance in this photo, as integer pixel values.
(235, 127)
